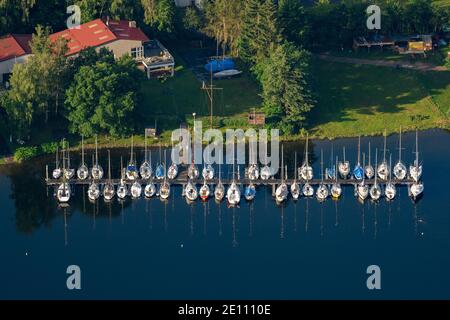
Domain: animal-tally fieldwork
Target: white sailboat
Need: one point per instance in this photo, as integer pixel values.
(145, 169)
(204, 189)
(295, 187)
(233, 192)
(415, 170)
(306, 171)
(131, 171)
(400, 171)
(93, 190)
(190, 191)
(383, 169)
(219, 191)
(97, 170)
(68, 172)
(56, 174)
(265, 172)
(416, 190)
(150, 188)
(164, 189)
(390, 190)
(375, 191)
(336, 189)
(83, 171)
(63, 191)
(122, 189)
(362, 189)
(282, 191)
(344, 166)
(369, 170)
(358, 171)
(253, 169)
(108, 190)
(322, 191)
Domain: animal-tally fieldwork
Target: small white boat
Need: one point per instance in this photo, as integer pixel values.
(204, 192)
(97, 170)
(306, 171)
(266, 173)
(250, 192)
(208, 172)
(375, 191)
(122, 189)
(69, 173)
(282, 191)
(136, 190)
(227, 73)
(400, 171)
(295, 187)
(63, 192)
(308, 190)
(336, 189)
(93, 191)
(322, 191)
(190, 191)
(344, 167)
(233, 192)
(150, 190)
(108, 190)
(83, 171)
(164, 190)
(390, 191)
(172, 172)
(383, 169)
(145, 170)
(362, 189)
(219, 191)
(193, 172)
(253, 172)
(131, 171)
(56, 174)
(369, 170)
(415, 170)
(416, 190)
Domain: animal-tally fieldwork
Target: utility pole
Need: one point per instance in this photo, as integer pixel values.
(210, 91)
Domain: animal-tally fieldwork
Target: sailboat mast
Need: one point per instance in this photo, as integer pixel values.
(384, 150)
(109, 165)
(306, 149)
(400, 146)
(145, 147)
(82, 150)
(96, 151)
(131, 156)
(417, 149)
(321, 164)
(364, 164)
(359, 149)
(295, 167)
(376, 163)
(369, 154)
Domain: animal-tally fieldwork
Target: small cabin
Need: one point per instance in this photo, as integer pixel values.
(257, 118)
(151, 132)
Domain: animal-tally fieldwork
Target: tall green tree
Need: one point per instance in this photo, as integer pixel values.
(285, 91)
(159, 14)
(293, 21)
(102, 98)
(115, 9)
(259, 30)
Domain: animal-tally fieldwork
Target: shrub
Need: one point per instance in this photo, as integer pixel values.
(25, 153)
(49, 147)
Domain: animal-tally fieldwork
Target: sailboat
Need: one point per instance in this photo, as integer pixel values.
(93, 190)
(69, 172)
(390, 190)
(336, 189)
(204, 189)
(131, 171)
(400, 170)
(253, 169)
(322, 191)
(190, 191)
(219, 191)
(330, 172)
(97, 170)
(375, 190)
(383, 169)
(250, 192)
(233, 192)
(415, 170)
(56, 174)
(281, 193)
(362, 189)
(172, 172)
(265, 172)
(358, 171)
(83, 171)
(122, 189)
(145, 169)
(295, 187)
(208, 172)
(150, 188)
(416, 190)
(369, 170)
(108, 190)
(63, 191)
(306, 171)
(164, 189)
(344, 167)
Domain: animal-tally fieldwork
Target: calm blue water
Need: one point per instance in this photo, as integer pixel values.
(152, 250)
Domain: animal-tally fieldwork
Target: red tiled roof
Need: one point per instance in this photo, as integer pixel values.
(122, 30)
(96, 33)
(14, 45)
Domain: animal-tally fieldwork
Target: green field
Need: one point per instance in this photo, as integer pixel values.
(364, 100)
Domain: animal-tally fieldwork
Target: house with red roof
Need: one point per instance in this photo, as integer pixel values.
(14, 48)
(121, 37)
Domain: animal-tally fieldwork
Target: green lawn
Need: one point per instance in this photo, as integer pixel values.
(364, 100)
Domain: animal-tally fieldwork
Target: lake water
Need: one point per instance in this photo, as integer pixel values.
(153, 250)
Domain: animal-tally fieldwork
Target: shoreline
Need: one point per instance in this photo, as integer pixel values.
(9, 159)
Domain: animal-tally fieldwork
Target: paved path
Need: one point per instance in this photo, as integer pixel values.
(420, 66)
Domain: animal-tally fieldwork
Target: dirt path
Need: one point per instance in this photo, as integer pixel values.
(420, 66)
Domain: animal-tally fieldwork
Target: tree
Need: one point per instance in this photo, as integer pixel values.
(285, 92)
(192, 19)
(259, 31)
(14, 14)
(102, 97)
(159, 14)
(223, 22)
(293, 21)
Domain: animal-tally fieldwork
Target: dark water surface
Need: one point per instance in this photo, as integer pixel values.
(154, 250)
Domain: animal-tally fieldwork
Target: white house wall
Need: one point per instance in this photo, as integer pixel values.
(6, 66)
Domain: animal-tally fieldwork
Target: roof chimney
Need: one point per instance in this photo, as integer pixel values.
(107, 20)
(132, 24)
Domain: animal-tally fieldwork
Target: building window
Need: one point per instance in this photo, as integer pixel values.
(137, 52)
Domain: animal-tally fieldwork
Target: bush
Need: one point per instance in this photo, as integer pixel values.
(49, 147)
(25, 153)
